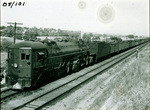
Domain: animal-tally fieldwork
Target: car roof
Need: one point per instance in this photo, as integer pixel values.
(33, 45)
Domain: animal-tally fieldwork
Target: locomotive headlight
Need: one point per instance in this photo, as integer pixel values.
(15, 65)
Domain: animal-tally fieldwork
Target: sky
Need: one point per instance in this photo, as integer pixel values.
(100, 16)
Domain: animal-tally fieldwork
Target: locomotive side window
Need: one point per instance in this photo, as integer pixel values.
(9, 55)
(27, 57)
(22, 56)
(40, 55)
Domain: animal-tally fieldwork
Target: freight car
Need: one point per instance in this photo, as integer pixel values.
(31, 62)
(101, 50)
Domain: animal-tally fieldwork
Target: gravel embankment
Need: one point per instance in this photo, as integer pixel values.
(124, 87)
(133, 93)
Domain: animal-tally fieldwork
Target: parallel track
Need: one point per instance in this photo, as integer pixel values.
(3, 89)
(7, 93)
(38, 100)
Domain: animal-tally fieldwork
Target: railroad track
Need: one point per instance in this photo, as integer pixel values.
(3, 89)
(56, 89)
(7, 93)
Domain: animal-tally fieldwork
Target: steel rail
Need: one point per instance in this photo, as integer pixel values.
(4, 89)
(7, 94)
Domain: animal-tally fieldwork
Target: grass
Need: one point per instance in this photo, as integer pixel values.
(134, 91)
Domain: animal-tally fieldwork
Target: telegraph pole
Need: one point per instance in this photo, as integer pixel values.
(15, 24)
(81, 34)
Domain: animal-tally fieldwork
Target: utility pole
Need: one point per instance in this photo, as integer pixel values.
(81, 34)
(15, 24)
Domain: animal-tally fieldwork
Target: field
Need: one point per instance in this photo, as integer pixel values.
(10, 39)
(7, 41)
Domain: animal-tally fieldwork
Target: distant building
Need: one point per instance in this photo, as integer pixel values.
(50, 37)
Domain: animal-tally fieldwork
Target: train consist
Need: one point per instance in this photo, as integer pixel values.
(32, 62)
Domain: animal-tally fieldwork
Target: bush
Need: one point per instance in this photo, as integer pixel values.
(5, 44)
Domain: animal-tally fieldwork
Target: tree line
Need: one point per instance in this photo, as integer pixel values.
(27, 33)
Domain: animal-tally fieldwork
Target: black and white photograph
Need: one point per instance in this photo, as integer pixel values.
(74, 55)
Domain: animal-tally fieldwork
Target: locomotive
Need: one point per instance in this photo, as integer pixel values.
(29, 62)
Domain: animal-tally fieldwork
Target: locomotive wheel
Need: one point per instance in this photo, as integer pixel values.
(90, 60)
(87, 61)
(68, 69)
(79, 64)
(74, 65)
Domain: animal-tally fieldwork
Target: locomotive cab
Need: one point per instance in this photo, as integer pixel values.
(20, 64)
(19, 67)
